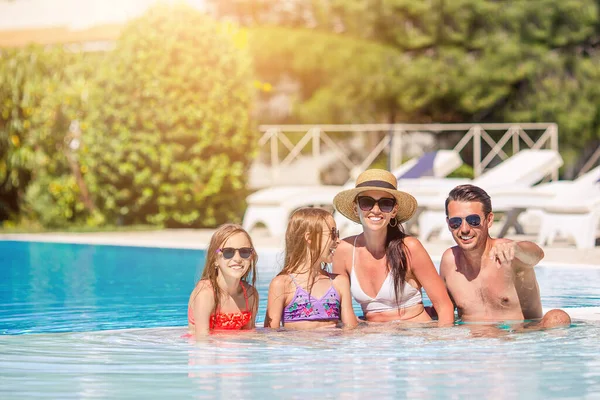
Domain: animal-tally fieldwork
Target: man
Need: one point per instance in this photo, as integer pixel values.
(490, 279)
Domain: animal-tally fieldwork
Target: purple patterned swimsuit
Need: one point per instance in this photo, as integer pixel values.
(305, 307)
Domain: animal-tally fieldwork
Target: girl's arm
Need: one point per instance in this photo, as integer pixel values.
(203, 307)
(254, 296)
(276, 301)
(342, 285)
(423, 269)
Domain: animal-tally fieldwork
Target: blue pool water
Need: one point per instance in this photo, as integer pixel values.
(106, 321)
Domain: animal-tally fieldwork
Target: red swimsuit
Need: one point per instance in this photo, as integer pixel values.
(227, 321)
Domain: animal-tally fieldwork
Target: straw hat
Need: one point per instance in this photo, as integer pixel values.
(380, 180)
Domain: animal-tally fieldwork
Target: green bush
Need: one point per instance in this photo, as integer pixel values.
(57, 195)
(464, 171)
(168, 137)
(20, 73)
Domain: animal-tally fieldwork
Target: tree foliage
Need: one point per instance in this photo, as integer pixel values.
(169, 136)
(58, 195)
(21, 71)
(444, 61)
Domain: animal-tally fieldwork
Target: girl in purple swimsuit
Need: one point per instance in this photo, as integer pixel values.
(303, 295)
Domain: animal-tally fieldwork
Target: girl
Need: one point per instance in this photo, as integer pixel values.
(386, 267)
(225, 297)
(303, 295)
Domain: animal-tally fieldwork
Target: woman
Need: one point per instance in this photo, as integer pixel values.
(387, 268)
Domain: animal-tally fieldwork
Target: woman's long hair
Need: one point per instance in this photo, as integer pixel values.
(397, 255)
(211, 272)
(303, 220)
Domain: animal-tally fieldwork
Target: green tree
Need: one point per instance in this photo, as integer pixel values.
(169, 135)
(446, 61)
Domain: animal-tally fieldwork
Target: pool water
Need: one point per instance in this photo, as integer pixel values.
(106, 321)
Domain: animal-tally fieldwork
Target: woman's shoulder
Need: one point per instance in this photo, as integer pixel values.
(413, 243)
(347, 243)
(341, 279)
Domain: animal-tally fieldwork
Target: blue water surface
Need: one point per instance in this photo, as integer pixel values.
(82, 321)
(55, 287)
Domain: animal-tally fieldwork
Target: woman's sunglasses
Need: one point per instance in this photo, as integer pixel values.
(385, 204)
(229, 252)
(473, 220)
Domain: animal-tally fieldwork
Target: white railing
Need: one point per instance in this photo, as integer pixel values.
(317, 135)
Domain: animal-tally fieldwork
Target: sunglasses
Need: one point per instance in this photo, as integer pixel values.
(229, 252)
(473, 220)
(335, 234)
(385, 204)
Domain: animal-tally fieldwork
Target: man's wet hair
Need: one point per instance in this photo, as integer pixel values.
(470, 193)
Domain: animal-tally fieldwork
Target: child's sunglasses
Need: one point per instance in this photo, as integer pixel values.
(473, 220)
(229, 252)
(335, 234)
(386, 204)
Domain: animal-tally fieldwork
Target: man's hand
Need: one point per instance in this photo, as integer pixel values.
(504, 253)
(528, 254)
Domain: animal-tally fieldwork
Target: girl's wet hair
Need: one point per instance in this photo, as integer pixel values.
(210, 272)
(313, 221)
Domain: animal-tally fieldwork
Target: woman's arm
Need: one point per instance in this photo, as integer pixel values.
(276, 301)
(423, 269)
(342, 285)
(204, 302)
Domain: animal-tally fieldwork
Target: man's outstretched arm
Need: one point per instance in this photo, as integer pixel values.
(527, 254)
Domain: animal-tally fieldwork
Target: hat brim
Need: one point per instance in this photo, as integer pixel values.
(344, 202)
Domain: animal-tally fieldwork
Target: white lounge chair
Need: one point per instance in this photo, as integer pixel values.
(571, 209)
(273, 206)
(517, 174)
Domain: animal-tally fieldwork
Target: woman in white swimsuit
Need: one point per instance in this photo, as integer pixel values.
(387, 268)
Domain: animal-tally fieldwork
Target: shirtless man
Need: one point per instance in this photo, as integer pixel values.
(490, 279)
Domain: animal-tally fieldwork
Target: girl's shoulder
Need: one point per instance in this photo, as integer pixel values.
(280, 281)
(251, 290)
(203, 285)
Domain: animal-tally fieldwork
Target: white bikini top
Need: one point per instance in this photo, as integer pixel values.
(385, 300)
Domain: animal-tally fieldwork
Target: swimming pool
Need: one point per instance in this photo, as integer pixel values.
(107, 322)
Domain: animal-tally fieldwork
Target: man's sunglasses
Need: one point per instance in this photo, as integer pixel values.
(473, 220)
(386, 204)
(229, 252)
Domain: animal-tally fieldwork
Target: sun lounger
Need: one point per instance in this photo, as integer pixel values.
(514, 176)
(273, 206)
(571, 209)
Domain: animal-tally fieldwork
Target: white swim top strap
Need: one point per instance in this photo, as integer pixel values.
(354, 251)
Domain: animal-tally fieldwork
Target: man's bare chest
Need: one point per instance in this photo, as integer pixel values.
(488, 288)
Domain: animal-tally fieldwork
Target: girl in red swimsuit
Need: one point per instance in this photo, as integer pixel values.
(225, 297)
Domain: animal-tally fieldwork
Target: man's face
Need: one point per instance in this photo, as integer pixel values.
(468, 223)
